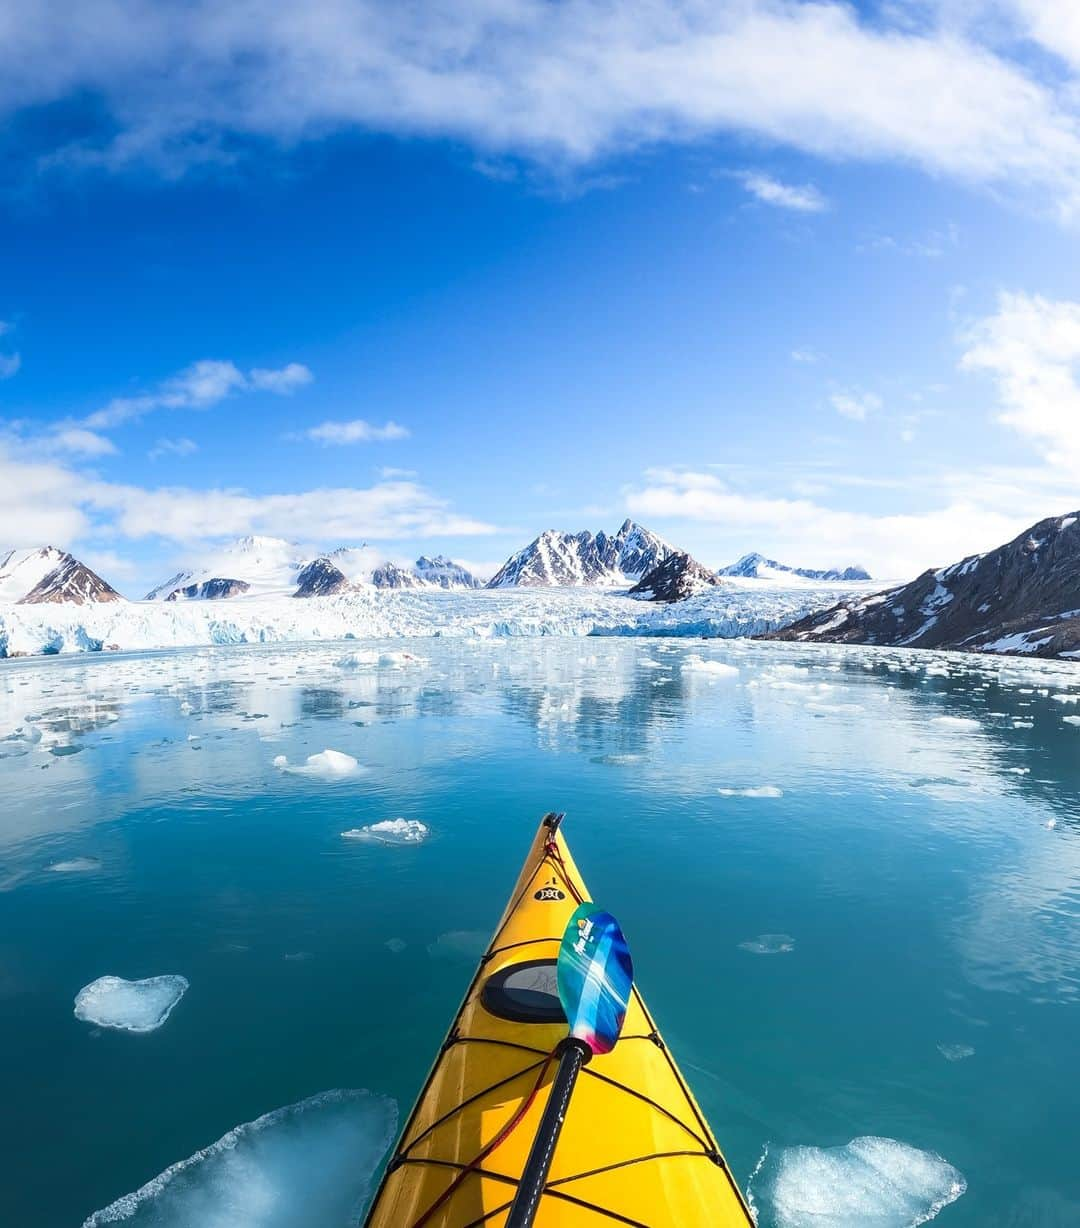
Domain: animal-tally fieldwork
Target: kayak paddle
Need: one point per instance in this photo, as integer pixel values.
(595, 975)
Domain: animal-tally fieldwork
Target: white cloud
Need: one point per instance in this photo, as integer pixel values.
(382, 512)
(855, 405)
(803, 198)
(40, 502)
(1031, 347)
(173, 447)
(202, 385)
(10, 364)
(79, 442)
(290, 377)
(355, 431)
(960, 514)
(390, 473)
(805, 354)
(560, 83)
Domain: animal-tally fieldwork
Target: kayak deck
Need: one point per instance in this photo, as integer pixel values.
(635, 1148)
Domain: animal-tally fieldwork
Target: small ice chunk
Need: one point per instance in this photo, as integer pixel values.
(76, 865)
(1062, 698)
(1071, 720)
(391, 831)
(365, 658)
(956, 724)
(305, 1166)
(753, 791)
(868, 1183)
(1029, 724)
(129, 1006)
(396, 945)
(328, 764)
(714, 669)
(768, 944)
(955, 1053)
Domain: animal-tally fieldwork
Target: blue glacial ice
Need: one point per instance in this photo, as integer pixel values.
(129, 1006)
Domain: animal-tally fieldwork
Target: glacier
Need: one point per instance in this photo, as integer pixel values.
(732, 610)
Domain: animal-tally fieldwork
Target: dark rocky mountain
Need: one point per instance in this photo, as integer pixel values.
(557, 559)
(758, 567)
(677, 577)
(390, 575)
(320, 578)
(445, 572)
(1023, 597)
(213, 589)
(70, 581)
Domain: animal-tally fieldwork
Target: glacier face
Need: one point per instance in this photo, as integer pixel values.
(733, 610)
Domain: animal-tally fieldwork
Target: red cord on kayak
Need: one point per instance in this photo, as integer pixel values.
(497, 1141)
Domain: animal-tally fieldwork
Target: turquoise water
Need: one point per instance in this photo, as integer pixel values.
(882, 942)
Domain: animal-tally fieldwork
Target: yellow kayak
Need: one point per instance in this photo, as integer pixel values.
(634, 1149)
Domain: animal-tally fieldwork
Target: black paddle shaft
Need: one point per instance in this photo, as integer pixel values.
(575, 1053)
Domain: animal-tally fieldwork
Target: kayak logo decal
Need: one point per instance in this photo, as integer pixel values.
(550, 894)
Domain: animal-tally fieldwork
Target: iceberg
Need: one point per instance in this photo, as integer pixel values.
(309, 1165)
(327, 764)
(129, 1006)
(391, 831)
(867, 1183)
(753, 791)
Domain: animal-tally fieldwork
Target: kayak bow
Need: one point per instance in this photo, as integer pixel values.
(634, 1149)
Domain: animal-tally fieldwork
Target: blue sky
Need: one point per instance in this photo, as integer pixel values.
(793, 277)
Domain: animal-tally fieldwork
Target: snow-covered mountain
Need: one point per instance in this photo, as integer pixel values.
(1022, 597)
(676, 578)
(445, 572)
(271, 566)
(578, 560)
(46, 574)
(756, 566)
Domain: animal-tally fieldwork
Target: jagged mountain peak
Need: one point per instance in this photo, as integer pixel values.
(757, 567)
(560, 559)
(42, 574)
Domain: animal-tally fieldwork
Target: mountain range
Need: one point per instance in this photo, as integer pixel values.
(1022, 597)
(577, 560)
(757, 567)
(271, 566)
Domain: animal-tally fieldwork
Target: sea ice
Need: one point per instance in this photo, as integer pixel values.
(129, 1006)
(391, 831)
(753, 791)
(1071, 720)
(714, 669)
(396, 945)
(868, 1183)
(955, 1053)
(956, 724)
(309, 1165)
(328, 764)
(75, 865)
(768, 944)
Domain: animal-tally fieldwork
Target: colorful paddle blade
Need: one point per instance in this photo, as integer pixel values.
(595, 975)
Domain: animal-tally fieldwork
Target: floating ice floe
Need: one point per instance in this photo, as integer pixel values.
(753, 791)
(309, 1165)
(391, 831)
(955, 1053)
(396, 945)
(367, 658)
(713, 669)
(868, 1183)
(129, 1006)
(1071, 720)
(327, 764)
(768, 944)
(75, 865)
(956, 724)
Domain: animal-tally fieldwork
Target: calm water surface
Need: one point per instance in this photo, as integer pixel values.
(873, 859)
